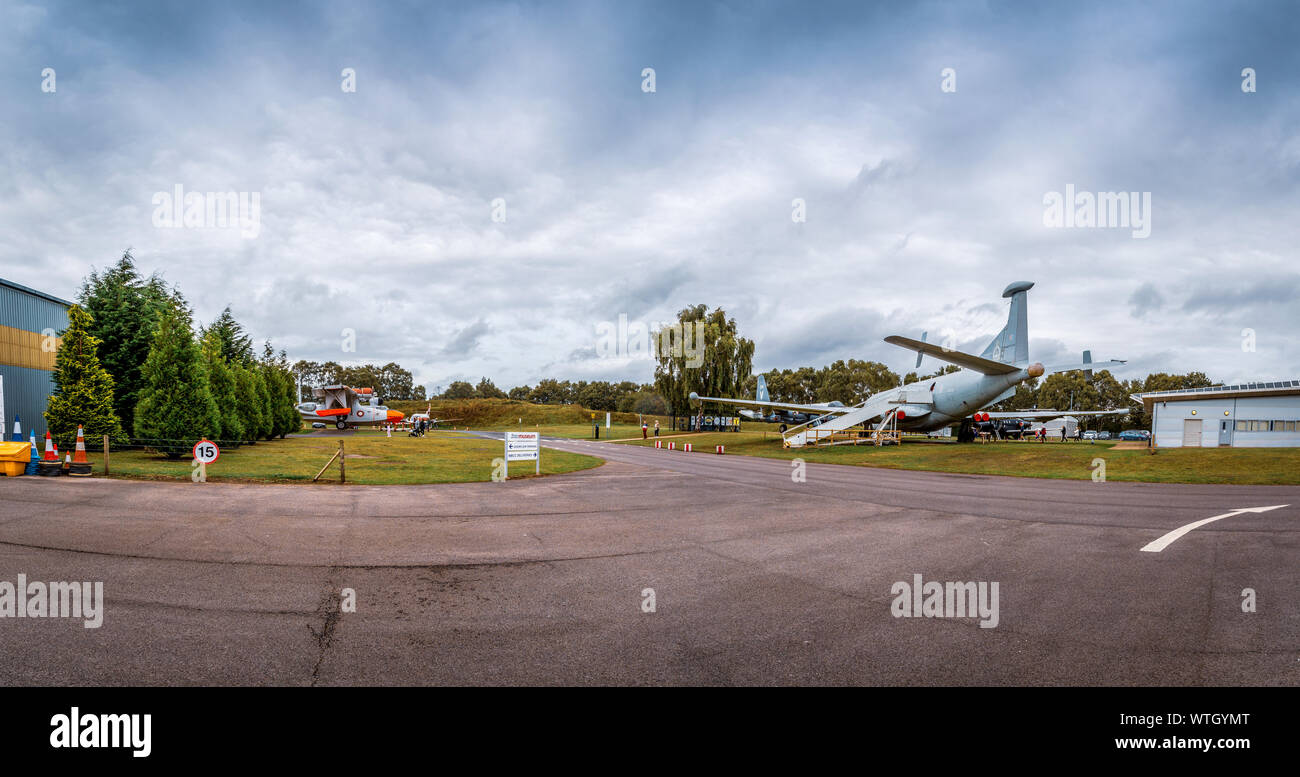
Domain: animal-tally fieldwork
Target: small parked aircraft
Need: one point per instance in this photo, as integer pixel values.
(346, 407)
(937, 402)
(785, 418)
(431, 420)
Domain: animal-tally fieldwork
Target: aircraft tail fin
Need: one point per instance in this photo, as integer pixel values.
(762, 395)
(1011, 346)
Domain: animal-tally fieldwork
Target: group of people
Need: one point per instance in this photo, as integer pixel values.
(419, 427)
(645, 429)
(1041, 434)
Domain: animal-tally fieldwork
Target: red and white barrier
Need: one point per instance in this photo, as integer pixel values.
(672, 446)
(686, 446)
(719, 450)
(659, 443)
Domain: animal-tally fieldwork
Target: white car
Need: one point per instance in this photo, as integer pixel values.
(1090, 435)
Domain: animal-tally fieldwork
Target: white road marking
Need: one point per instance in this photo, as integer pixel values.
(1166, 540)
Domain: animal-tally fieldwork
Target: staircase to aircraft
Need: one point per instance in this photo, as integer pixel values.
(822, 427)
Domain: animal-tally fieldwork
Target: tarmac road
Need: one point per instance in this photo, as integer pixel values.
(757, 579)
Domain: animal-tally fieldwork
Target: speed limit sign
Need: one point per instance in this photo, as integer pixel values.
(206, 451)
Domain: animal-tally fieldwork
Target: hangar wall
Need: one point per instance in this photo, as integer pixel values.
(25, 365)
(1252, 422)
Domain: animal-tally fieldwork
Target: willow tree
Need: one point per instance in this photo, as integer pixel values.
(702, 352)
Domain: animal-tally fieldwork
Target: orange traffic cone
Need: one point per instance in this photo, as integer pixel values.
(79, 456)
(50, 453)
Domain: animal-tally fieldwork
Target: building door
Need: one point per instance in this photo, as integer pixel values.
(1225, 432)
(1191, 432)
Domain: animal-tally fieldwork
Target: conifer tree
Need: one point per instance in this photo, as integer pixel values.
(83, 389)
(123, 308)
(175, 408)
(225, 391)
(250, 408)
(262, 398)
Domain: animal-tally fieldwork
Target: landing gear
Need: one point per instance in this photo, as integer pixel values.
(782, 428)
(340, 425)
(965, 433)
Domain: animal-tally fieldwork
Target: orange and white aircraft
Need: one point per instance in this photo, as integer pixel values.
(347, 406)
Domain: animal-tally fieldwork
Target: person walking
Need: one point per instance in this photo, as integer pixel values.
(656, 427)
(644, 430)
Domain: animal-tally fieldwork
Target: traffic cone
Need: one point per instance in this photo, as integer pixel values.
(51, 454)
(34, 464)
(18, 429)
(79, 456)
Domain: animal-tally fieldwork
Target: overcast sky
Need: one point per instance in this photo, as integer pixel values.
(376, 206)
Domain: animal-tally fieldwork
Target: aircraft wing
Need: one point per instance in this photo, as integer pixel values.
(1056, 413)
(810, 409)
(1088, 366)
(967, 360)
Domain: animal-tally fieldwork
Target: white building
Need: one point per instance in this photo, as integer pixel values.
(1250, 415)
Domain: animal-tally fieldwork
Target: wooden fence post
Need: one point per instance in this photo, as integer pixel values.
(105, 454)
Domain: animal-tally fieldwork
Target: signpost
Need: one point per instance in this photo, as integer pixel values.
(205, 452)
(523, 446)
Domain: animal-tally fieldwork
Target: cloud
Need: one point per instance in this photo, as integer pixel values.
(1146, 299)
(921, 205)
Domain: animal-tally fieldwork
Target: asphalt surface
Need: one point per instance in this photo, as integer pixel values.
(757, 579)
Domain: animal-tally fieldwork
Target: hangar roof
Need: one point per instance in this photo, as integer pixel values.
(34, 292)
(1271, 388)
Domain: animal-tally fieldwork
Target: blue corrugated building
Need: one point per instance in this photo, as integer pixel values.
(30, 321)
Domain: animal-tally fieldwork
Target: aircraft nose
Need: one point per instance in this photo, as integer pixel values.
(395, 416)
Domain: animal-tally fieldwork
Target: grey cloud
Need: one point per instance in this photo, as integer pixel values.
(1146, 299)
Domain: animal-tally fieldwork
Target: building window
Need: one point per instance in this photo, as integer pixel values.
(1243, 426)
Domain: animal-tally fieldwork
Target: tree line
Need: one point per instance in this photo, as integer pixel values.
(133, 366)
(623, 397)
(389, 381)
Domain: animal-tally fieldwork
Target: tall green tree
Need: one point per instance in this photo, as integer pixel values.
(279, 392)
(124, 309)
(703, 352)
(236, 345)
(223, 384)
(83, 389)
(175, 409)
(261, 396)
(251, 410)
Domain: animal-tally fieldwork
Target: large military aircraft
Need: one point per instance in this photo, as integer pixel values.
(346, 406)
(958, 397)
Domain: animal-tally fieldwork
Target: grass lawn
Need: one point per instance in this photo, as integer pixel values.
(373, 458)
(1072, 460)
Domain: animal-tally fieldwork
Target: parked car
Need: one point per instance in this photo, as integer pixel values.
(1103, 435)
(1091, 434)
(1134, 434)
